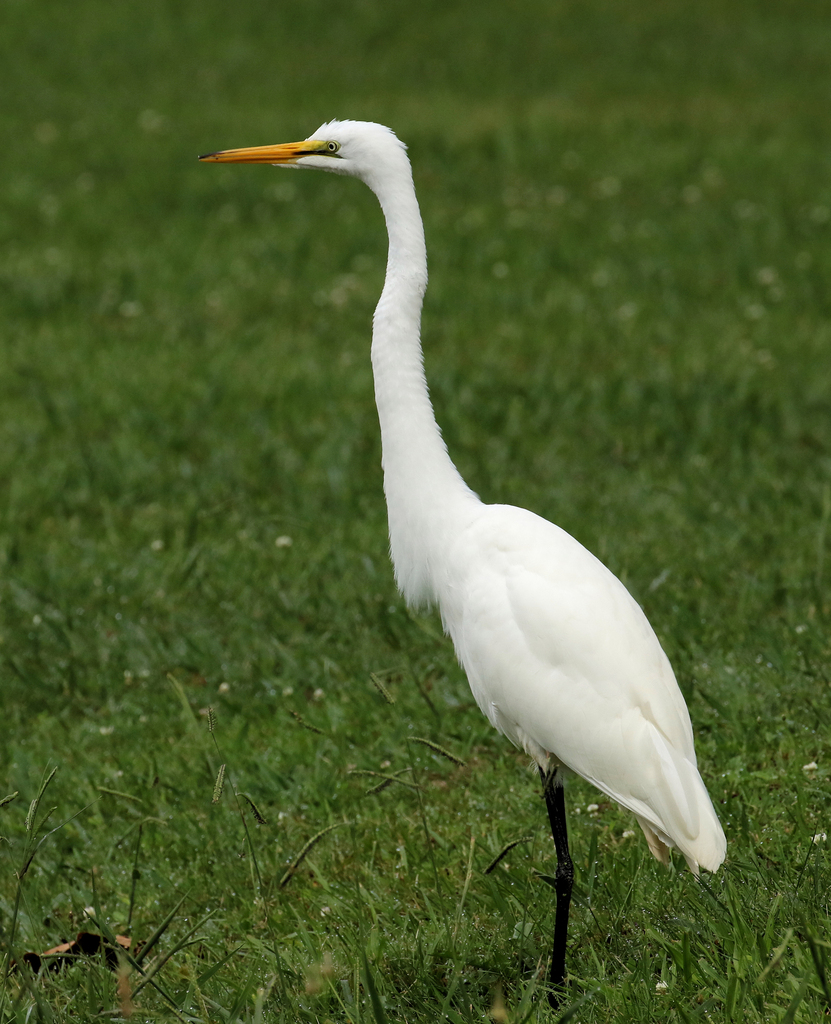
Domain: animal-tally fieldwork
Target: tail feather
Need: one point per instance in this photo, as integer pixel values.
(682, 815)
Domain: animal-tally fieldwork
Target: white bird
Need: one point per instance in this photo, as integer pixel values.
(560, 657)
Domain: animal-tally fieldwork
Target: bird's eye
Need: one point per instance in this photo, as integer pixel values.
(333, 147)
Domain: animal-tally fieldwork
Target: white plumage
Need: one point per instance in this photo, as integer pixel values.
(563, 661)
(560, 657)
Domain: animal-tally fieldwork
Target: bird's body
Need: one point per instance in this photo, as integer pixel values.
(596, 692)
(560, 658)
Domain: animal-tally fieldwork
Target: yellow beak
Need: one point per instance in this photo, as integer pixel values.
(285, 153)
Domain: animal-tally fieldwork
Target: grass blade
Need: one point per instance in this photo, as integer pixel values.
(374, 997)
(209, 972)
(504, 853)
(163, 960)
(438, 750)
(159, 932)
(790, 1013)
(387, 780)
(298, 860)
(136, 875)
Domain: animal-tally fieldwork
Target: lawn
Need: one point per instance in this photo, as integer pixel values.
(212, 696)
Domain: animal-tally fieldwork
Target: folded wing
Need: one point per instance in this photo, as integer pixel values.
(562, 659)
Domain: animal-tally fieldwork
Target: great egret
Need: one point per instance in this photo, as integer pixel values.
(559, 656)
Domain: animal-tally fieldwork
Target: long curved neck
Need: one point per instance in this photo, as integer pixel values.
(427, 500)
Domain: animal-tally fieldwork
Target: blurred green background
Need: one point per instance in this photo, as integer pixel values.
(627, 210)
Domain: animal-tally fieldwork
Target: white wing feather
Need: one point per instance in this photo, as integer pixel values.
(563, 661)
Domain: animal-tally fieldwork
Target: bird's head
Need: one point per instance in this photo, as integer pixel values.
(361, 149)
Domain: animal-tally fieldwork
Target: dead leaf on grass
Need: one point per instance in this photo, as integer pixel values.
(85, 944)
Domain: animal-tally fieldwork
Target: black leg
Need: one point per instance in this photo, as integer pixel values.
(555, 803)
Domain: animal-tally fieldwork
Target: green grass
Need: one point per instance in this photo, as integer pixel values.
(627, 330)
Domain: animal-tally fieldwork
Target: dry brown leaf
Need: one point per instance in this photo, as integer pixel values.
(84, 944)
